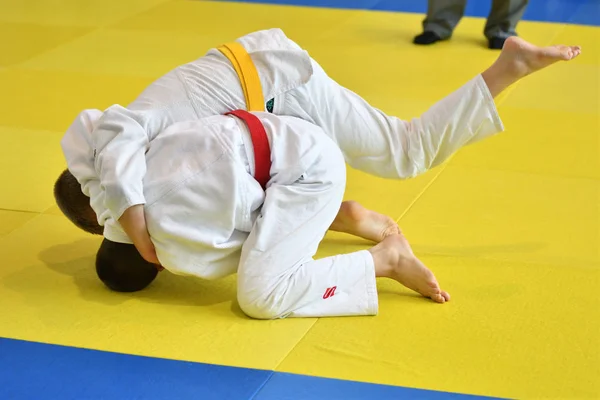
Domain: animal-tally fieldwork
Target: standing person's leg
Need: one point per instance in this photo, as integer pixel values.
(277, 275)
(442, 18)
(390, 147)
(502, 21)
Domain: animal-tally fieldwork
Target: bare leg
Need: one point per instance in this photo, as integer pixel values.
(520, 58)
(393, 256)
(356, 220)
(394, 259)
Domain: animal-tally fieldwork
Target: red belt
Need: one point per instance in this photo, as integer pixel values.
(260, 142)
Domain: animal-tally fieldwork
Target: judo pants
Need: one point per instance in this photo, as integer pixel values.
(277, 275)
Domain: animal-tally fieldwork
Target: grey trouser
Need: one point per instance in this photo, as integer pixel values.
(444, 15)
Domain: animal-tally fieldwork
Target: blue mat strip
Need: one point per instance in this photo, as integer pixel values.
(30, 370)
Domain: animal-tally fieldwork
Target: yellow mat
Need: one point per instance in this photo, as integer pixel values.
(510, 226)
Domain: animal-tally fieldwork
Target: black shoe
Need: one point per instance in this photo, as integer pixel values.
(427, 37)
(496, 43)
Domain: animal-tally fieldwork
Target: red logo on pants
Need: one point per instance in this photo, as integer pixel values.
(329, 292)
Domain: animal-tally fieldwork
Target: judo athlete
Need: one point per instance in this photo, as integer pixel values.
(255, 194)
(110, 165)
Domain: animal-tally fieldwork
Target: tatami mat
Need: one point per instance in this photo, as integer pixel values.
(510, 226)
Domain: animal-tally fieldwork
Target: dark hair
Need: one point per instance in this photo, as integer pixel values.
(74, 204)
(121, 267)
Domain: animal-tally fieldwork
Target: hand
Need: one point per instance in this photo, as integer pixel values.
(133, 222)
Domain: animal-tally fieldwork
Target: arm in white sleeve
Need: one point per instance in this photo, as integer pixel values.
(120, 141)
(389, 147)
(77, 146)
(122, 136)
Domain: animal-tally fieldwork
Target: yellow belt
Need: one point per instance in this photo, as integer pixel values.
(247, 73)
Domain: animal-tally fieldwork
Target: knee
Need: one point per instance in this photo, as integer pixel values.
(259, 305)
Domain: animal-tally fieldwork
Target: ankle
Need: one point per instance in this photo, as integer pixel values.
(497, 79)
(352, 211)
(385, 259)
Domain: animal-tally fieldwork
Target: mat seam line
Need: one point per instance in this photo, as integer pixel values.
(260, 388)
(412, 203)
(295, 345)
(274, 370)
(24, 211)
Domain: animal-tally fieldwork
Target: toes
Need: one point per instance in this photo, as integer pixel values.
(567, 55)
(564, 52)
(438, 298)
(436, 294)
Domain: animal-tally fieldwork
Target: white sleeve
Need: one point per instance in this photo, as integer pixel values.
(77, 147)
(122, 136)
(120, 141)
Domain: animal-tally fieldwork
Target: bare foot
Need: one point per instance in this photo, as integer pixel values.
(394, 259)
(356, 220)
(520, 58)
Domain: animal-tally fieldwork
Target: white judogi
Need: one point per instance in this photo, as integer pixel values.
(206, 216)
(110, 163)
